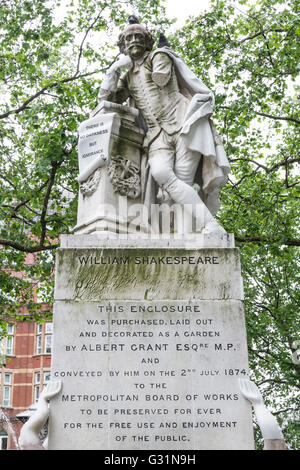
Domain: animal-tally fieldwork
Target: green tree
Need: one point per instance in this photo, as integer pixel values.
(51, 65)
(52, 59)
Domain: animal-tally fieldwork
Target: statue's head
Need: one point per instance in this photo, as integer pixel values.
(135, 39)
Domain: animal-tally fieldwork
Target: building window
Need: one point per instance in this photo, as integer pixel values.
(40, 382)
(39, 344)
(39, 330)
(7, 389)
(10, 340)
(7, 343)
(3, 439)
(46, 377)
(48, 338)
(37, 384)
(44, 338)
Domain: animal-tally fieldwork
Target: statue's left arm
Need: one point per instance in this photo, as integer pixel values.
(161, 69)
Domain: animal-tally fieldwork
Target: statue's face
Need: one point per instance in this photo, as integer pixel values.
(135, 42)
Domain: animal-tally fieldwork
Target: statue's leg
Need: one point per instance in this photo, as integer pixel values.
(167, 162)
(173, 168)
(161, 160)
(186, 164)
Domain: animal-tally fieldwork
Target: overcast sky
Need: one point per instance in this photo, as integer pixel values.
(181, 9)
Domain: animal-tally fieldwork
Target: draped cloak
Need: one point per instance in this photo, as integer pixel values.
(200, 136)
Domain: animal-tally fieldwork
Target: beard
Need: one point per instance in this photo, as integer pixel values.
(136, 51)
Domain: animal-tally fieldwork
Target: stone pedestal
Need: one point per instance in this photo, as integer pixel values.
(149, 342)
(109, 155)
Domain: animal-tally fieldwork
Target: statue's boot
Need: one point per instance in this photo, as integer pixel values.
(184, 194)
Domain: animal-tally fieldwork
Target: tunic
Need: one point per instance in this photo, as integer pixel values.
(154, 89)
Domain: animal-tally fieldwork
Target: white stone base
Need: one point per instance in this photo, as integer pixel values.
(149, 342)
(106, 239)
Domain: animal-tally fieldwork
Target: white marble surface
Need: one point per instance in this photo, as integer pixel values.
(109, 240)
(174, 385)
(149, 345)
(94, 144)
(89, 274)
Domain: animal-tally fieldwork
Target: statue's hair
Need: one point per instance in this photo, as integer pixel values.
(149, 39)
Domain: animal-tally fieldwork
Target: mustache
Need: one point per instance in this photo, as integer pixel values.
(135, 44)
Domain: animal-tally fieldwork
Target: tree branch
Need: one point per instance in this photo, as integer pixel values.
(283, 411)
(41, 246)
(84, 38)
(275, 381)
(278, 118)
(264, 240)
(26, 249)
(284, 162)
(24, 203)
(47, 87)
(55, 165)
(261, 33)
(271, 116)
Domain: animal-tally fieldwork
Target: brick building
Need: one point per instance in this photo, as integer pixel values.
(25, 355)
(27, 351)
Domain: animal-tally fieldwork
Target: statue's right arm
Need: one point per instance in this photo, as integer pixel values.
(113, 88)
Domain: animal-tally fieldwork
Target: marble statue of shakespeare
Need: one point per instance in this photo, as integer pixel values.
(185, 156)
